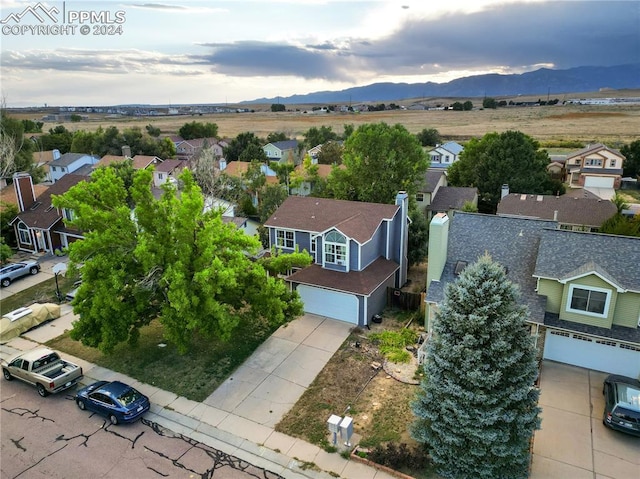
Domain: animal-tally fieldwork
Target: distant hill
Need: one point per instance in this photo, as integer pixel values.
(539, 82)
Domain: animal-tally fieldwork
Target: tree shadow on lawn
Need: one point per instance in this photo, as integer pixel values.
(194, 375)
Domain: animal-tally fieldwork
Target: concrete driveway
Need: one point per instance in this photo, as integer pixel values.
(573, 443)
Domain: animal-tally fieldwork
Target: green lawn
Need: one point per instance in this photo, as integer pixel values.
(194, 375)
(44, 292)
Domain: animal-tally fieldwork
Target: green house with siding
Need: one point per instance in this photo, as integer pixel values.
(582, 289)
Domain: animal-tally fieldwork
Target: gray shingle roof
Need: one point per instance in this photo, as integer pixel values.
(286, 144)
(452, 198)
(512, 242)
(566, 254)
(431, 178)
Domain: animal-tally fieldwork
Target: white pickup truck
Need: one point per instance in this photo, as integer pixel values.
(43, 368)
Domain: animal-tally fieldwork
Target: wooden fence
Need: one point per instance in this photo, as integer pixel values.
(405, 300)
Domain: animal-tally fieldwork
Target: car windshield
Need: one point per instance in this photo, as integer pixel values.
(129, 396)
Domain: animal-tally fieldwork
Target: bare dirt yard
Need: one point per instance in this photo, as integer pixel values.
(612, 124)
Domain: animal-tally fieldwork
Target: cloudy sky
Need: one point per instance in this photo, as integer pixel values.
(223, 52)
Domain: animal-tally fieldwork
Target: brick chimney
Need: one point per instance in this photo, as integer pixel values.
(25, 194)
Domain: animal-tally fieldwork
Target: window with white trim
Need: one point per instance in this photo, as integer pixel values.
(68, 214)
(23, 233)
(588, 300)
(613, 163)
(335, 248)
(284, 239)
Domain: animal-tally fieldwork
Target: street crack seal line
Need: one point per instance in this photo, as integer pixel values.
(22, 412)
(219, 458)
(16, 442)
(38, 462)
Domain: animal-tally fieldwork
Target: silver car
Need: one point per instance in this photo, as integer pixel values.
(13, 271)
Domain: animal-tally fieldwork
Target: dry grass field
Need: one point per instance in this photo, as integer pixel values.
(614, 125)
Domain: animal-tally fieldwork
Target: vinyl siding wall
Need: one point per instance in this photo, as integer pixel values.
(627, 310)
(553, 291)
(587, 281)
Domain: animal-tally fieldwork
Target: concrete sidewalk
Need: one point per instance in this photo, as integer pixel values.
(239, 417)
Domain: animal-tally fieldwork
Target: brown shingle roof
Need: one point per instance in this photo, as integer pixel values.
(140, 162)
(107, 160)
(8, 194)
(357, 220)
(42, 215)
(571, 210)
(359, 282)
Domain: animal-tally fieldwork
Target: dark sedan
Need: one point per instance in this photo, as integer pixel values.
(116, 400)
(622, 404)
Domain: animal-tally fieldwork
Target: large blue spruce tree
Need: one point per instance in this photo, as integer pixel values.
(477, 408)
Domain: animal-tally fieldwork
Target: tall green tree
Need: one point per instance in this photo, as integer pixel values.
(496, 159)
(244, 141)
(196, 129)
(631, 165)
(331, 153)
(379, 161)
(58, 138)
(477, 408)
(418, 235)
(315, 136)
(429, 137)
(165, 259)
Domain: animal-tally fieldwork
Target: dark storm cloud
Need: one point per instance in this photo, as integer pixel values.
(519, 36)
(273, 59)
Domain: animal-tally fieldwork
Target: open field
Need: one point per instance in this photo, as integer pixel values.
(614, 125)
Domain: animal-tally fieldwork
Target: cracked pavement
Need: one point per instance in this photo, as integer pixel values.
(52, 438)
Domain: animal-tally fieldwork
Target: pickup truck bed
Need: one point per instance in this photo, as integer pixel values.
(44, 369)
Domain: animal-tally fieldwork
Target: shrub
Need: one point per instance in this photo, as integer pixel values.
(399, 456)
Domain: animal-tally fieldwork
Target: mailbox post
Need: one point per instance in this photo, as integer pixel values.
(333, 424)
(346, 430)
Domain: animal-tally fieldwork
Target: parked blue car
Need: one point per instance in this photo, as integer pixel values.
(116, 400)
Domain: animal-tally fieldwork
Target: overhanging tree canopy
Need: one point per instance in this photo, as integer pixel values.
(168, 259)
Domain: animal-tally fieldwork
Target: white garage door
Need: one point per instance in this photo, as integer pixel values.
(598, 182)
(331, 304)
(592, 353)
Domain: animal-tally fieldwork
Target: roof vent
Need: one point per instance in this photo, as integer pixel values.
(460, 266)
(523, 197)
(539, 198)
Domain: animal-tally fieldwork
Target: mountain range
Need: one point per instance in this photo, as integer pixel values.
(543, 81)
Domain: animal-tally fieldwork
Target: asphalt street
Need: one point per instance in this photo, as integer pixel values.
(52, 438)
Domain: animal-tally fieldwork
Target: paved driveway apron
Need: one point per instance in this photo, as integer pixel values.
(269, 383)
(573, 443)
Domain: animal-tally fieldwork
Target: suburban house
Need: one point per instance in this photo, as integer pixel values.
(187, 149)
(596, 166)
(452, 198)
(306, 187)
(238, 169)
(435, 196)
(359, 250)
(141, 162)
(584, 302)
(571, 213)
(43, 159)
(434, 179)
(442, 156)
(315, 151)
(166, 171)
(286, 150)
(39, 226)
(69, 163)
(228, 211)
